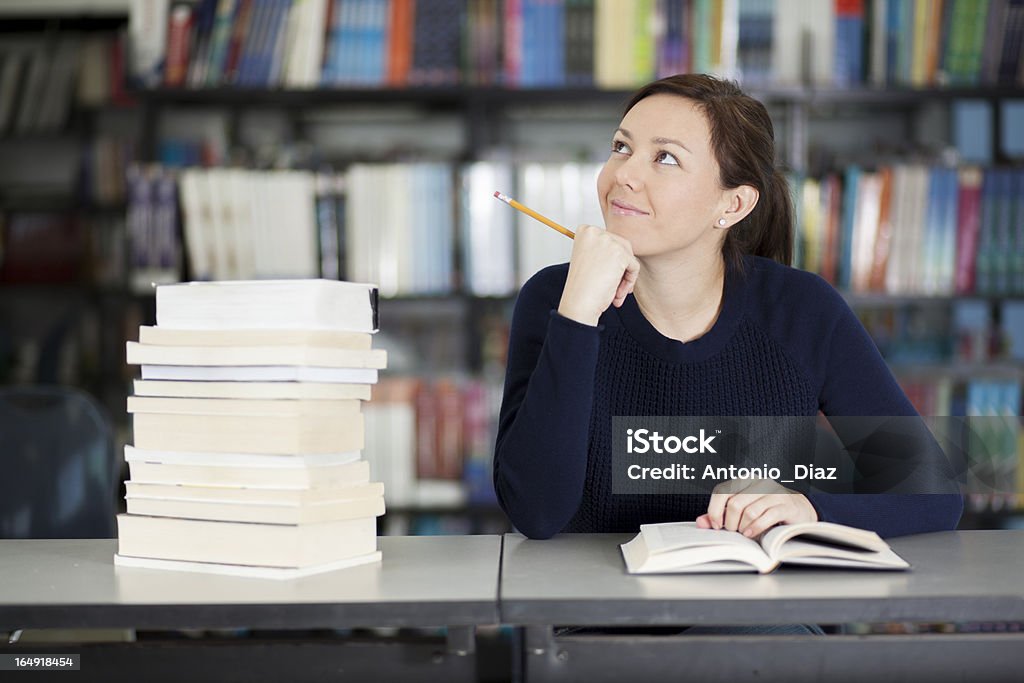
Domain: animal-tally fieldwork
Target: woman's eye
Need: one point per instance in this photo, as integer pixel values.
(666, 158)
(619, 147)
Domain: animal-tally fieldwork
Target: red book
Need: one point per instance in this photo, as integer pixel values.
(968, 223)
(399, 51)
(426, 432)
(513, 42)
(449, 429)
(179, 39)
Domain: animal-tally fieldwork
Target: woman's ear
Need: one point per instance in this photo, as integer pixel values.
(742, 201)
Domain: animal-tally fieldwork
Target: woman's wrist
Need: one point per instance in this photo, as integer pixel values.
(567, 310)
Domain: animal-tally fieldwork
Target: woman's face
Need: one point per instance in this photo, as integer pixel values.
(660, 188)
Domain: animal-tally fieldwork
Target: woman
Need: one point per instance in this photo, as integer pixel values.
(686, 305)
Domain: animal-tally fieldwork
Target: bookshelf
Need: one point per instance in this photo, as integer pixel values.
(889, 112)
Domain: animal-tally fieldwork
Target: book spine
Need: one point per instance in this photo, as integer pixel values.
(179, 34)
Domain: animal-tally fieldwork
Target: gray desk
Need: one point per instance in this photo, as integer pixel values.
(422, 582)
(581, 580)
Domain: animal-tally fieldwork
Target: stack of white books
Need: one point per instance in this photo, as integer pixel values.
(248, 430)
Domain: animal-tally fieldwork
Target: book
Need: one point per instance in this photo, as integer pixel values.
(681, 547)
(257, 512)
(300, 472)
(260, 373)
(227, 356)
(220, 406)
(268, 545)
(253, 390)
(254, 495)
(264, 434)
(280, 573)
(263, 304)
(164, 336)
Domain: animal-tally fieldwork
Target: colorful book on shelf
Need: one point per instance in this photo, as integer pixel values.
(579, 42)
(849, 46)
(883, 238)
(436, 43)
(681, 547)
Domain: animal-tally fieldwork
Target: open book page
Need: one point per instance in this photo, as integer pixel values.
(682, 547)
(827, 544)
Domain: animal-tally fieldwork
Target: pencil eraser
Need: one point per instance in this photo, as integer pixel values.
(497, 194)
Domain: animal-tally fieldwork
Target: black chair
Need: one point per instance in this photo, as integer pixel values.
(60, 473)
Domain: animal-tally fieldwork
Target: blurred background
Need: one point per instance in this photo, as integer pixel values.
(157, 141)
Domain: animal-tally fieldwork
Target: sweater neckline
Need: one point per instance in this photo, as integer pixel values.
(701, 348)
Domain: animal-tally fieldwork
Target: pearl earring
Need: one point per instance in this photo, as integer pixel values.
(721, 221)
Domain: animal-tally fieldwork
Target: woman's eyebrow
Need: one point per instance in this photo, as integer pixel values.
(670, 141)
(657, 141)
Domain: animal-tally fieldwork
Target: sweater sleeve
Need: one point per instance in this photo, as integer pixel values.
(858, 383)
(540, 458)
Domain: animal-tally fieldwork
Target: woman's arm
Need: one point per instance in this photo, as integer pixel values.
(540, 458)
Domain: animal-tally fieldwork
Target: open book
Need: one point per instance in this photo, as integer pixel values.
(681, 547)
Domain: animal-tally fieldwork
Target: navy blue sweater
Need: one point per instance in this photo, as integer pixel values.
(784, 343)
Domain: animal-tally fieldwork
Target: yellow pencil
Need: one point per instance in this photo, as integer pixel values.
(533, 214)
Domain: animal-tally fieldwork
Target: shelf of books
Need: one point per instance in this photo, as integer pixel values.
(590, 43)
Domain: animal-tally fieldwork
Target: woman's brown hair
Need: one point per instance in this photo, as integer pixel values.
(743, 142)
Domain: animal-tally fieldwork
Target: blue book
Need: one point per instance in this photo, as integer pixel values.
(905, 42)
(1017, 248)
(528, 72)
(557, 46)
(268, 46)
(1002, 232)
(344, 67)
(200, 54)
(951, 203)
(893, 36)
(220, 40)
(850, 181)
(930, 241)
(983, 270)
(380, 72)
(332, 45)
(972, 130)
(1012, 318)
(258, 17)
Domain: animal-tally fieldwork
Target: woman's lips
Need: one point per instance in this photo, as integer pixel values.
(624, 209)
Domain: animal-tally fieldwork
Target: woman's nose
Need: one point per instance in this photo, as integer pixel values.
(629, 175)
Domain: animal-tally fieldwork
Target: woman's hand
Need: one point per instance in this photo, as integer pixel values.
(602, 272)
(752, 506)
